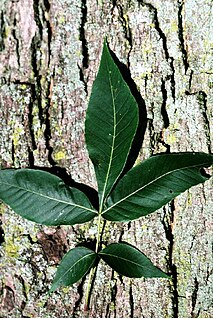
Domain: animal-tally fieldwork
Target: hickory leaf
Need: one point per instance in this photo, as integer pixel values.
(111, 123)
(124, 194)
(74, 265)
(44, 198)
(129, 261)
(154, 182)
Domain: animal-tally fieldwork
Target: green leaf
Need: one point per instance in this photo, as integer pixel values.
(129, 261)
(44, 198)
(74, 265)
(155, 182)
(111, 122)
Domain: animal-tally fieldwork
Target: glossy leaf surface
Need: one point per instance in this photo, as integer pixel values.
(129, 261)
(44, 198)
(111, 123)
(155, 182)
(74, 265)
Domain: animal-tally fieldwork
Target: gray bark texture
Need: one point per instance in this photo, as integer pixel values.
(49, 55)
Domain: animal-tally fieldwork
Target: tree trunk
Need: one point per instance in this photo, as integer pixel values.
(49, 56)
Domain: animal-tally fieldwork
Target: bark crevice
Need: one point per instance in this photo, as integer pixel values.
(181, 35)
(168, 222)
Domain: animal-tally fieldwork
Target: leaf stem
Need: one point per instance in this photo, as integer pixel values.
(86, 307)
(99, 233)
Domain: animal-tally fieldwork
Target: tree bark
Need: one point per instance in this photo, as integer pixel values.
(49, 56)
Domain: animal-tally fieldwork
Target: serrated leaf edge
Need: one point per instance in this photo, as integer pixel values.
(132, 262)
(113, 143)
(51, 198)
(154, 180)
(73, 265)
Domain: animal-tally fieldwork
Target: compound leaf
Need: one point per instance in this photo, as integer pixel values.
(74, 265)
(129, 261)
(111, 123)
(155, 182)
(44, 198)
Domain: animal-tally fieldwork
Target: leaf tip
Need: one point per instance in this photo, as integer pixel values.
(166, 276)
(105, 40)
(52, 290)
(205, 173)
(55, 285)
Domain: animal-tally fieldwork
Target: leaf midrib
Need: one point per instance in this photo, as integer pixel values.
(113, 142)
(77, 261)
(144, 186)
(50, 198)
(124, 259)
